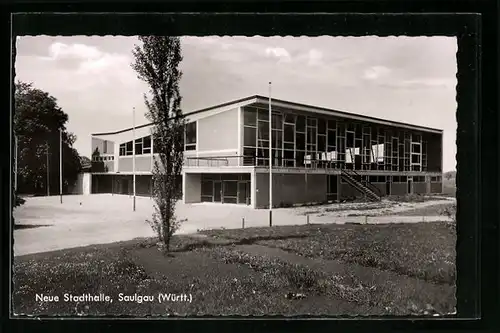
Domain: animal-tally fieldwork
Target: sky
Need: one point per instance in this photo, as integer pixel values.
(407, 79)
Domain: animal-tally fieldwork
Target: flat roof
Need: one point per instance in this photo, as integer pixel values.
(259, 99)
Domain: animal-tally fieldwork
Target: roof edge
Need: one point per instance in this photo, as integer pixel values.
(183, 115)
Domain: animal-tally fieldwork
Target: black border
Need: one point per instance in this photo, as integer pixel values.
(477, 120)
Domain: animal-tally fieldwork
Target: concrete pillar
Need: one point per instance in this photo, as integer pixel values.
(253, 189)
(183, 187)
(191, 187)
(339, 188)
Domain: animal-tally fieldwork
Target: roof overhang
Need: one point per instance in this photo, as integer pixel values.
(285, 105)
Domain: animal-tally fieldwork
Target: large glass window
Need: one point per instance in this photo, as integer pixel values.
(146, 145)
(190, 136)
(289, 133)
(263, 130)
(277, 141)
(300, 125)
(250, 138)
(138, 146)
(129, 148)
(250, 117)
(277, 121)
(300, 141)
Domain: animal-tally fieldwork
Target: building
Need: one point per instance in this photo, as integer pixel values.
(318, 155)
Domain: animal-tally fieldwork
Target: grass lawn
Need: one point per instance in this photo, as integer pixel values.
(433, 210)
(422, 250)
(223, 275)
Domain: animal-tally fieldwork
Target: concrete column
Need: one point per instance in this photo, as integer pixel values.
(253, 189)
(339, 188)
(183, 187)
(191, 187)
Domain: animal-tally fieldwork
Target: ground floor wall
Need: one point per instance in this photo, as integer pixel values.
(124, 184)
(290, 189)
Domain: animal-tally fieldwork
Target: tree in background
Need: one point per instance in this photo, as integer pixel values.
(156, 62)
(37, 121)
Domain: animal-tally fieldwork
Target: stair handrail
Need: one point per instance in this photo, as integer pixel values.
(369, 185)
(363, 189)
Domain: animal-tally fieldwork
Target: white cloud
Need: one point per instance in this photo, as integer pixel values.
(376, 72)
(59, 51)
(280, 53)
(90, 60)
(429, 82)
(315, 57)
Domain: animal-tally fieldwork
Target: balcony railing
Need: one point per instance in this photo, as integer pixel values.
(228, 161)
(315, 164)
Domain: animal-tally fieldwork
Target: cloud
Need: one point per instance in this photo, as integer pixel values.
(376, 72)
(88, 60)
(315, 57)
(59, 51)
(280, 53)
(423, 83)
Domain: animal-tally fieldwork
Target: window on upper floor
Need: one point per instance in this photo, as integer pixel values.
(190, 136)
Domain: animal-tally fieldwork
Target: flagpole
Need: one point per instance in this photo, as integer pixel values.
(133, 157)
(270, 161)
(60, 166)
(48, 175)
(15, 163)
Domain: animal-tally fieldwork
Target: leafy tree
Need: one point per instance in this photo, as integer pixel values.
(37, 121)
(156, 62)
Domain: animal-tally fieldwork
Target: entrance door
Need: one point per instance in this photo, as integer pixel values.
(410, 185)
(124, 186)
(388, 185)
(217, 191)
(244, 193)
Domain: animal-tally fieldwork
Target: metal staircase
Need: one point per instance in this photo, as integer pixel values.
(370, 191)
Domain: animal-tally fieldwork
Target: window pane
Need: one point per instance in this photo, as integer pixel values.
(289, 154)
(299, 158)
(277, 121)
(321, 143)
(191, 133)
(289, 118)
(129, 148)
(263, 130)
(289, 133)
(263, 144)
(321, 126)
(249, 116)
(311, 121)
(332, 124)
(263, 114)
(138, 148)
(301, 124)
(289, 146)
(249, 136)
(230, 188)
(277, 139)
(311, 136)
(207, 188)
(332, 138)
(300, 142)
(263, 153)
(249, 156)
(147, 142)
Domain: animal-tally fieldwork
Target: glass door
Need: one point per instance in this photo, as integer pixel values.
(217, 191)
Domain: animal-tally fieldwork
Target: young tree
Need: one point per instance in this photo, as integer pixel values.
(156, 62)
(37, 121)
